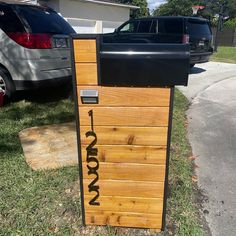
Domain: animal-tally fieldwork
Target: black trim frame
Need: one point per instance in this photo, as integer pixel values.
(77, 130)
(98, 42)
(168, 157)
(76, 97)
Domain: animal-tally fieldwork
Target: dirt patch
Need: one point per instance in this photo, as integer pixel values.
(200, 199)
(50, 146)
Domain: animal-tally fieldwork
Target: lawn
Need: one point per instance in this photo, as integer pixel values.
(225, 54)
(47, 202)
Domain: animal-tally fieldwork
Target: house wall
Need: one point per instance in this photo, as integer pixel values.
(87, 17)
(91, 17)
(93, 11)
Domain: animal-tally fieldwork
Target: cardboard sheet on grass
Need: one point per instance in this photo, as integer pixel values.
(50, 146)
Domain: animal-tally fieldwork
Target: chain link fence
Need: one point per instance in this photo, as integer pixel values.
(227, 37)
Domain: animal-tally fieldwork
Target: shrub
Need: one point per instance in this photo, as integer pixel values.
(230, 23)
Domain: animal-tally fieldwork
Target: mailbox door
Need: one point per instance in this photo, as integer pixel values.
(137, 64)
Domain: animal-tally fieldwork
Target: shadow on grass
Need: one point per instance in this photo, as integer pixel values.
(45, 95)
(29, 109)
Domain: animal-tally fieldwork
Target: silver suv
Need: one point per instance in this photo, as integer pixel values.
(34, 48)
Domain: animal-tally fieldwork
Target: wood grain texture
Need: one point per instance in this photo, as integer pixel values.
(126, 135)
(125, 116)
(127, 171)
(128, 96)
(126, 204)
(129, 154)
(86, 73)
(127, 188)
(85, 50)
(128, 219)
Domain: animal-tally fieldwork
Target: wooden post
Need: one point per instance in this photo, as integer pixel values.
(124, 143)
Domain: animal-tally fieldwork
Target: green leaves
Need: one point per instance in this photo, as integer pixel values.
(184, 8)
(142, 12)
(175, 8)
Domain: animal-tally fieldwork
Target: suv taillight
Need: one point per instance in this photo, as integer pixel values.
(185, 39)
(32, 41)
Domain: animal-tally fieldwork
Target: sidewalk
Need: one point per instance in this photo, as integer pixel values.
(212, 135)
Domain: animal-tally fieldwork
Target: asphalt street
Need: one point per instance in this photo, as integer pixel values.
(212, 135)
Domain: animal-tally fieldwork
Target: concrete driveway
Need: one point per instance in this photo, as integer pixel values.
(212, 135)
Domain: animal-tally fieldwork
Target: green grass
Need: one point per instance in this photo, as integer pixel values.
(33, 203)
(225, 54)
(39, 203)
(181, 202)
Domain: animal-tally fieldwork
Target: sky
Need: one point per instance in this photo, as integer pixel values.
(152, 4)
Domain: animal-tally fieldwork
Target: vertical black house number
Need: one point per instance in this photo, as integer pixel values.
(92, 163)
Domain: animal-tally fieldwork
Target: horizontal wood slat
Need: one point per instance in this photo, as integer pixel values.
(126, 171)
(128, 96)
(129, 154)
(86, 73)
(127, 188)
(126, 204)
(85, 50)
(126, 135)
(124, 219)
(125, 116)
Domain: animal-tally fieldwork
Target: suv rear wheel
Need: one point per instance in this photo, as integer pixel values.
(6, 84)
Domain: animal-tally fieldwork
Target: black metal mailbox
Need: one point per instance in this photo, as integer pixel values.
(144, 64)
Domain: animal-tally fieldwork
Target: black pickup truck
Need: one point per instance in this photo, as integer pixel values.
(194, 31)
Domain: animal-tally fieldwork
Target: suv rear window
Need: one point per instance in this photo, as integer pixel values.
(9, 22)
(168, 26)
(44, 20)
(197, 27)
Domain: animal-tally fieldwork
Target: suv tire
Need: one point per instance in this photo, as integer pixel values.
(6, 83)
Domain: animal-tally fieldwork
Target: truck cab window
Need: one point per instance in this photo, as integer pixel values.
(130, 27)
(154, 27)
(144, 26)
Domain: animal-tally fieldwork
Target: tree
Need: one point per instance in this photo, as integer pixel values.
(184, 8)
(215, 8)
(231, 8)
(142, 12)
(176, 8)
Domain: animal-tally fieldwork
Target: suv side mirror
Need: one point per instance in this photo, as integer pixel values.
(116, 31)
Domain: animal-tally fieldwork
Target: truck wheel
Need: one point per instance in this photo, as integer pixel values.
(6, 84)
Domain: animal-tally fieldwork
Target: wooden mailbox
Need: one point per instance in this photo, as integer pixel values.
(123, 135)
